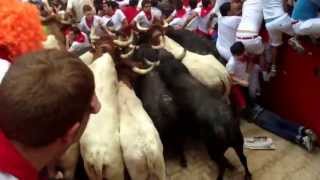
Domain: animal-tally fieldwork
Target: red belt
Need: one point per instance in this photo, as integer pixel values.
(245, 38)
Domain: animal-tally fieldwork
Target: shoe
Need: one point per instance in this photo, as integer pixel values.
(273, 71)
(256, 111)
(311, 135)
(294, 43)
(307, 143)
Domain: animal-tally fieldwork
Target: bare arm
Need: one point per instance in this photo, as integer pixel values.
(239, 81)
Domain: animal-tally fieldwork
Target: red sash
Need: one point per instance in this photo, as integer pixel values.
(13, 163)
(148, 15)
(180, 13)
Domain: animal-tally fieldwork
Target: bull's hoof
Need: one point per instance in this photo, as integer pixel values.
(248, 176)
(183, 162)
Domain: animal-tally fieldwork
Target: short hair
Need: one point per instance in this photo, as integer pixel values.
(87, 8)
(42, 95)
(237, 48)
(205, 3)
(75, 30)
(144, 2)
(133, 2)
(193, 4)
(225, 8)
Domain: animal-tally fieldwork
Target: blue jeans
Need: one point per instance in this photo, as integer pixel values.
(279, 126)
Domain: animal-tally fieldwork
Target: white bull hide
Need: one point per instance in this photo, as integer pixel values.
(100, 144)
(206, 68)
(140, 142)
(87, 57)
(51, 42)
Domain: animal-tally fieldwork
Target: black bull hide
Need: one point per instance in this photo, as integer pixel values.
(208, 112)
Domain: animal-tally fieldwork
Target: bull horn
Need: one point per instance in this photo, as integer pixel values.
(124, 43)
(134, 46)
(165, 24)
(151, 63)
(142, 71)
(127, 55)
(160, 46)
(182, 55)
(140, 28)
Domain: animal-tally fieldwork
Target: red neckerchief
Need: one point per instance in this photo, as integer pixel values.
(80, 38)
(148, 15)
(13, 163)
(206, 10)
(180, 13)
(89, 22)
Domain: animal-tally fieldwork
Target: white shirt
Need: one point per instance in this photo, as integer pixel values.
(193, 25)
(77, 6)
(237, 68)
(5, 176)
(156, 13)
(78, 46)
(272, 8)
(251, 16)
(142, 18)
(227, 28)
(4, 66)
(85, 28)
(203, 21)
(123, 3)
(117, 18)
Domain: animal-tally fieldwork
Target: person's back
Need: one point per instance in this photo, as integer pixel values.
(227, 28)
(131, 10)
(46, 98)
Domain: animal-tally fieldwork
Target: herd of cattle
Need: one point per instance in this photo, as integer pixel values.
(155, 85)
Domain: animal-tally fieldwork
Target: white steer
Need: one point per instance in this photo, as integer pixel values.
(100, 144)
(206, 68)
(140, 142)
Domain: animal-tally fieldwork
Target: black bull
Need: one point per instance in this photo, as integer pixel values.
(208, 112)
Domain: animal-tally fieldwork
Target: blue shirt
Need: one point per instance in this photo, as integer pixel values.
(304, 10)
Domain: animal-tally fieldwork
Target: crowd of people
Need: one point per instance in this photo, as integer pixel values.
(233, 26)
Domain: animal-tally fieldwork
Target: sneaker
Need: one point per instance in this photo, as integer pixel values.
(311, 135)
(307, 143)
(295, 44)
(273, 71)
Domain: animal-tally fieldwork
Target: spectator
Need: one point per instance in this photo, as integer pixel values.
(178, 17)
(306, 12)
(113, 18)
(249, 27)
(76, 41)
(46, 99)
(227, 28)
(288, 130)
(237, 67)
(131, 11)
(144, 17)
(89, 20)
(75, 8)
(277, 22)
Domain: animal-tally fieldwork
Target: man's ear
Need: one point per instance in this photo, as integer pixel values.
(71, 134)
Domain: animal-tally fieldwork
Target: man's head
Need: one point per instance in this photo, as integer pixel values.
(88, 11)
(146, 5)
(229, 9)
(46, 99)
(133, 2)
(238, 51)
(74, 31)
(110, 7)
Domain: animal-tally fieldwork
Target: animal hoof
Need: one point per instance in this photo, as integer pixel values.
(247, 177)
(183, 163)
